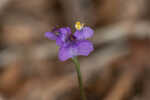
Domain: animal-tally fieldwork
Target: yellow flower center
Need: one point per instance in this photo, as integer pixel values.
(79, 25)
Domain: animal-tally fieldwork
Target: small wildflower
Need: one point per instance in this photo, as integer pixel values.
(71, 45)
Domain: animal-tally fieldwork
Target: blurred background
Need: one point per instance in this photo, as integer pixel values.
(118, 69)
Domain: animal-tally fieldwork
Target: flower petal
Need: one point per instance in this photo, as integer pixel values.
(64, 53)
(50, 35)
(84, 47)
(59, 42)
(64, 33)
(65, 30)
(84, 33)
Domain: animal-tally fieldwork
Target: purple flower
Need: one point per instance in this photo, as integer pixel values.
(72, 45)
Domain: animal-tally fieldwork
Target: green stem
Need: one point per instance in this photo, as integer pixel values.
(77, 66)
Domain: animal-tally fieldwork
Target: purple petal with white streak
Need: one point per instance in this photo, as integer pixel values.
(84, 47)
(84, 33)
